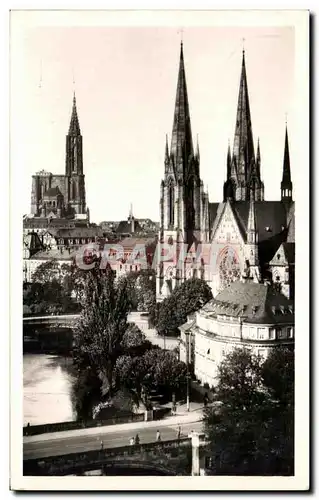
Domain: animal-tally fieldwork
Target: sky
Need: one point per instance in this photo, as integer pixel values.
(125, 81)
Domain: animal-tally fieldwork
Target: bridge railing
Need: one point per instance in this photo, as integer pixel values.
(32, 430)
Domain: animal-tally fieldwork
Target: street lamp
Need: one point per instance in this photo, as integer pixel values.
(188, 363)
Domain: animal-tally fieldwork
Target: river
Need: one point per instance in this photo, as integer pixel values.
(47, 385)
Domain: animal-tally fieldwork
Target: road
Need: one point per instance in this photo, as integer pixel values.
(79, 443)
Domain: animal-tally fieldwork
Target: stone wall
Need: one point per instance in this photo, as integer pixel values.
(173, 457)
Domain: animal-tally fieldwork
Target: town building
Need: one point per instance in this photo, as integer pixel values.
(244, 315)
(131, 255)
(243, 233)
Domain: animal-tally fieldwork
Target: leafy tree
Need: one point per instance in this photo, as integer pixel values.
(141, 286)
(156, 369)
(86, 392)
(50, 270)
(134, 341)
(102, 324)
(278, 374)
(184, 300)
(250, 432)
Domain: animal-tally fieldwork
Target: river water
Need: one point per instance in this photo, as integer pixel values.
(47, 383)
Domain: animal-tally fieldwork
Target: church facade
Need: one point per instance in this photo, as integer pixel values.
(59, 196)
(243, 236)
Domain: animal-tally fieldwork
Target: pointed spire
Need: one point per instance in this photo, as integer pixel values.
(286, 176)
(197, 148)
(258, 151)
(258, 160)
(286, 184)
(166, 150)
(74, 128)
(243, 151)
(182, 143)
(252, 223)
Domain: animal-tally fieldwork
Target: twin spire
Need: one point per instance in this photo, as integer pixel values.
(243, 150)
(182, 149)
(182, 141)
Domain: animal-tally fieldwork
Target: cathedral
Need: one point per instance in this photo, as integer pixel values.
(58, 196)
(243, 237)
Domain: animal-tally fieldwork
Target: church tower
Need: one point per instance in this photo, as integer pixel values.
(74, 166)
(286, 184)
(243, 168)
(182, 193)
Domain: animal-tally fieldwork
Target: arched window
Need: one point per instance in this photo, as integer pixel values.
(171, 205)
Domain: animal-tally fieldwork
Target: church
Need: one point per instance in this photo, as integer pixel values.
(243, 237)
(59, 196)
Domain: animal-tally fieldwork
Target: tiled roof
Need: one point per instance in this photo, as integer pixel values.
(54, 254)
(212, 212)
(254, 302)
(79, 232)
(130, 243)
(271, 217)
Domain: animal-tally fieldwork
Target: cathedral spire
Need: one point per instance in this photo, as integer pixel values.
(258, 151)
(197, 148)
(74, 128)
(182, 143)
(286, 184)
(243, 151)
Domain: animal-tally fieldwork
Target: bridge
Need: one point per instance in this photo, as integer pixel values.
(159, 458)
(35, 326)
(51, 321)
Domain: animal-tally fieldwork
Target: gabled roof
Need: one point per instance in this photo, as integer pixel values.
(284, 255)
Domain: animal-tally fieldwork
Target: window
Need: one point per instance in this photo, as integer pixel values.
(272, 334)
(262, 333)
(281, 334)
(290, 333)
(171, 205)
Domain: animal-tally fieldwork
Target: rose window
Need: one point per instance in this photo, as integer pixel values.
(229, 268)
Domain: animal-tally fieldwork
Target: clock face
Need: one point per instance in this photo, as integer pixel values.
(229, 267)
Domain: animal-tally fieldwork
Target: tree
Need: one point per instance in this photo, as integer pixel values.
(155, 370)
(278, 374)
(184, 300)
(102, 324)
(248, 433)
(50, 270)
(141, 286)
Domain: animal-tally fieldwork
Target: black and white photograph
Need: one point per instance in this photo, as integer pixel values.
(159, 197)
